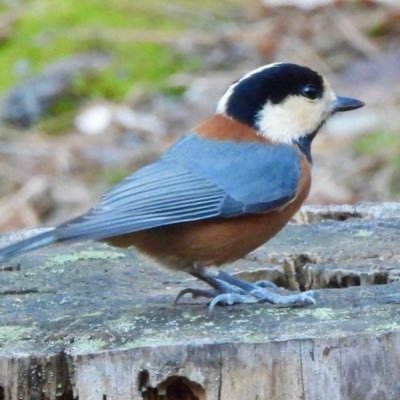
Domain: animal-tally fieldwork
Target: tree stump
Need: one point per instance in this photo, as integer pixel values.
(90, 321)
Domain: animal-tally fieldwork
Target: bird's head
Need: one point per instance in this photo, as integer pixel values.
(284, 102)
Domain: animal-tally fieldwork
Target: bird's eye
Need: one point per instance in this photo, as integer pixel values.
(309, 91)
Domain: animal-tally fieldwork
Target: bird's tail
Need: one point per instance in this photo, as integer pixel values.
(32, 243)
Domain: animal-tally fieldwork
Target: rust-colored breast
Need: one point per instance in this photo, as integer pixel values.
(216, 241)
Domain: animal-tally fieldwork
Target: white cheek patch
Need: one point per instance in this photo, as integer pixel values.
(295, 117)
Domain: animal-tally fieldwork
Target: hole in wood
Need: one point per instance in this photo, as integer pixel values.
(2, 396)
(173, 388)
(302, 275)
(343, 216)
(342, 278)
(333, 215)
(299, 262)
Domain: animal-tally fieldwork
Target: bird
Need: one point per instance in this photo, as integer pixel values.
(223, 189)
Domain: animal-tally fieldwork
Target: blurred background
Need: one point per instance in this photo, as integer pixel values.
(91, 90)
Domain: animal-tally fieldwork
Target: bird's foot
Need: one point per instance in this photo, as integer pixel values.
(229, 290)
(260, 295)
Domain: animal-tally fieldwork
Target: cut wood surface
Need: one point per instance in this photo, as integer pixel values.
(95, 322)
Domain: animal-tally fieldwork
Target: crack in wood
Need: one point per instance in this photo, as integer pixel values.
(10, 268)
(25, 291)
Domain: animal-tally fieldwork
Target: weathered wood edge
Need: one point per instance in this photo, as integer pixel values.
(354, 320)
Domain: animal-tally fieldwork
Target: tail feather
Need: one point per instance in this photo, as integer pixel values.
(32, 243)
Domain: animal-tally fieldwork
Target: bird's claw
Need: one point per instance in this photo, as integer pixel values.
(209, 293)
(230, 299)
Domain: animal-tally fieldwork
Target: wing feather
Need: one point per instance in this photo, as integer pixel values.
(197, 179)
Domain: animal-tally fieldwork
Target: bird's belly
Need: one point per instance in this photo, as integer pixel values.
(208, 242)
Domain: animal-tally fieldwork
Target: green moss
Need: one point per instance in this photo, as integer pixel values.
(324, 313)
(319, 313)
(386, 327)
(56, 123)
(383, 146)
(139, 37)
(363, 233)
(113, 175)
(173, 91)
(146, 63)
(84, 255)
(87, 345)
(378, 142)
(13, 333)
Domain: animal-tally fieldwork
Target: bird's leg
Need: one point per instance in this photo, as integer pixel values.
(218, 286)
(230, 290)
(265, 284)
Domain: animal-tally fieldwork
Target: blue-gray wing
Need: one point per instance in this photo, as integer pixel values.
(196, 179)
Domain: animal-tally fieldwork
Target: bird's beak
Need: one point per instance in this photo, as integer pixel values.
(346, 104)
